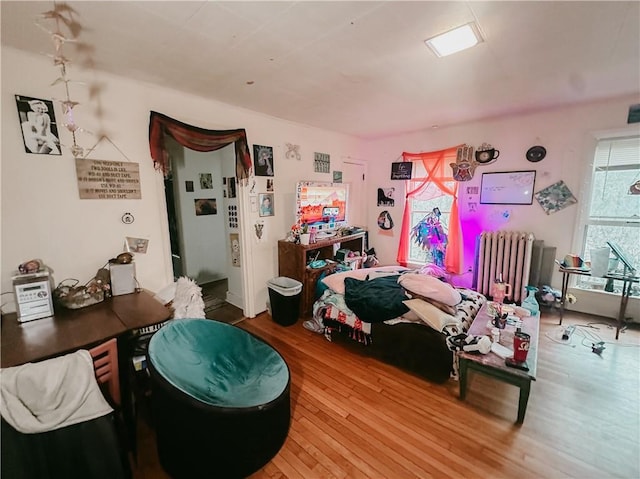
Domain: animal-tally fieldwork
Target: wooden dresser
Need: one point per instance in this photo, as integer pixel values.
(293, 259)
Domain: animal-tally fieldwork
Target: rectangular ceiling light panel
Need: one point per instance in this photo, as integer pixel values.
(455, 40)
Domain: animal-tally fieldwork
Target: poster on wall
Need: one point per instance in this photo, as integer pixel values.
(232, 214)
(136, 245)
(401, 170)
(321, 163)
(108, 180)
(234, 240)
(231, 185)
(206, 181)
(206, 206)
(385, 197)
(634, 114)
(555, 197)
(266, 204)
(188, 186)
(337, 176)
(263, 160)
(384, 221)
(38, 124)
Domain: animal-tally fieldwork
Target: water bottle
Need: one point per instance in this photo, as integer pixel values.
(530, 302)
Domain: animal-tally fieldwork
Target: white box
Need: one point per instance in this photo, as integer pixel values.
(123, 278)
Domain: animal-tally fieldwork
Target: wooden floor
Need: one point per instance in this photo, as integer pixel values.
(227, 313)
(354, 417)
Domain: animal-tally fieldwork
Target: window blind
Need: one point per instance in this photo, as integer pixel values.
(614, 152)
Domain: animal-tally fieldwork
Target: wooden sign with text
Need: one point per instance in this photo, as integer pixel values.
(108, 180)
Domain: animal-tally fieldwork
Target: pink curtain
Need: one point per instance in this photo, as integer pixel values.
(197, 139)
(439, 173)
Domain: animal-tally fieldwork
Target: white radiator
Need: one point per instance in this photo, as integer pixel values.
(506, 252)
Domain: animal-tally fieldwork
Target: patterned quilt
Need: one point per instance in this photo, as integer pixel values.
(331, 313)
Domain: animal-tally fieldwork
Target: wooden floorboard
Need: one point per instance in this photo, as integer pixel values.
(355, 417)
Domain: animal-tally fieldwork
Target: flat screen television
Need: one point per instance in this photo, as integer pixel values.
(322, 205)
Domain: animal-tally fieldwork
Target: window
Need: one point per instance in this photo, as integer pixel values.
(613, 212)
(432, 181)
(422, 204)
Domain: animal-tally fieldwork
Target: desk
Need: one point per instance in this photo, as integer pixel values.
(627, 281)
(70, 330)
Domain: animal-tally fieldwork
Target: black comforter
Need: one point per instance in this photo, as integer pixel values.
(378, 299)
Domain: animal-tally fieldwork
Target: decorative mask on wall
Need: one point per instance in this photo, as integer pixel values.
(465, 165)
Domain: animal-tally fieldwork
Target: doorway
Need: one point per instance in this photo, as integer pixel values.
(202, 217)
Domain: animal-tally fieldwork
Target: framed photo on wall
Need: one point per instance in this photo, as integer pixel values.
(38, 124)
(263, 160)
(266, 204)
(206, 206)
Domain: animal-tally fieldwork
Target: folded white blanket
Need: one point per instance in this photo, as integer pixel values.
(58, 392)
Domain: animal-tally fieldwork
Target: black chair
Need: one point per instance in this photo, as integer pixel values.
(220, 399)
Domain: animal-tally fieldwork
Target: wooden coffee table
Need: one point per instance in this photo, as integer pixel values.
(493, 365)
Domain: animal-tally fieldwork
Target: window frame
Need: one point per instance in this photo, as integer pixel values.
(445, 213)
(585, 219)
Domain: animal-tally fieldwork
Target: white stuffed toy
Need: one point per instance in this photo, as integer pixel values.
(188, 302)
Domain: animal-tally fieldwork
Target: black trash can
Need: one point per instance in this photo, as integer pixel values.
(284, 295)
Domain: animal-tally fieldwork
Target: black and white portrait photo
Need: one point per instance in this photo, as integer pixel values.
(263, 160)
(206, 181)
(38, 123)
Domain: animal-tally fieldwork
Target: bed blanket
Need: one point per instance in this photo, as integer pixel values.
(377, 299)
(330, 312)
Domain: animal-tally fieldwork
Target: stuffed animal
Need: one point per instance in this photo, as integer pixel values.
(188, 302)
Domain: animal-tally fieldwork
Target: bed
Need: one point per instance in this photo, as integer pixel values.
(400, 316)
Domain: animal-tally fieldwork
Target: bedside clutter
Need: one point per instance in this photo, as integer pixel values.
(294, 260)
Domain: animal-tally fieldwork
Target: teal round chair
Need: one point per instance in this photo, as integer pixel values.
(220, 399)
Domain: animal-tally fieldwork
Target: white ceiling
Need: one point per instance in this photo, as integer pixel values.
(357, 67)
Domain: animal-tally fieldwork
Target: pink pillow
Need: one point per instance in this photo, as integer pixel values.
(430, 287)
(336, 281)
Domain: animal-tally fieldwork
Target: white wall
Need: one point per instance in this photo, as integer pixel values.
(42, 216)
(235, 293)
(568, 136)
(204, 239)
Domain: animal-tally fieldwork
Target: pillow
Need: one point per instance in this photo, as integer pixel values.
(431, 315)
(430, 287)
(441, 306)
(336, 281)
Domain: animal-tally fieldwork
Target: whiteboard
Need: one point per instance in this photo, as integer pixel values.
(507, 188)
